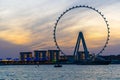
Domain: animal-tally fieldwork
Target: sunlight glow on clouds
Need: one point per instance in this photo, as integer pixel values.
(29, 24)
(15, 37)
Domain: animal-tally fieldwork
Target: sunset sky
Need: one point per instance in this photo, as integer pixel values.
(27, 25)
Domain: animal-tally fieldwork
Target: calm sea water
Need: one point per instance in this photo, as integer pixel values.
(67, 72)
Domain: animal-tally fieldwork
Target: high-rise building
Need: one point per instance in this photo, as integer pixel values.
(25, 56)
(54, 55)
(40, 55)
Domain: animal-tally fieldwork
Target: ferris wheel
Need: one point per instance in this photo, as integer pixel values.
(82, 6)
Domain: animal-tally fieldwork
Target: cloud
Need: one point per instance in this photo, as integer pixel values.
(14, 33)
(30, 23)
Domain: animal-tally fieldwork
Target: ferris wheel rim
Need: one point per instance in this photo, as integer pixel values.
(82, 6)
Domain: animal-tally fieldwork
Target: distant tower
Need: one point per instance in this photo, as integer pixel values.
(77, 53)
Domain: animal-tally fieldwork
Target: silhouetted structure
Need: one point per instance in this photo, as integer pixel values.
(40, 55)
(25, 56)
(54, 55)
(78, 54)
(70, 58)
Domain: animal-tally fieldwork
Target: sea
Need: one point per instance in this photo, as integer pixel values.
(66, 72)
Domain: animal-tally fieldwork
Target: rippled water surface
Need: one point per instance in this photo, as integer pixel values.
(67, 72)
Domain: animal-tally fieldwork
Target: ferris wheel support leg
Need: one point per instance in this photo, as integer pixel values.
(76, 51)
